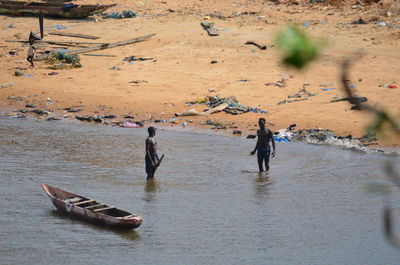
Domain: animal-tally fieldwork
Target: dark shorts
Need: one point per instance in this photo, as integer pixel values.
(149, 165)
(263, 152)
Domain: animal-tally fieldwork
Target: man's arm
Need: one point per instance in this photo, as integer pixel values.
(255, 148)
(273, 144)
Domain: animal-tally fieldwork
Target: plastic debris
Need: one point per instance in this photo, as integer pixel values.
(138, 81)
(120, 15)
(210, 28)
(303, 93)
(18, 73)
(234, 107)
(134, 58)
(327, 89)
(88, 118)
(128, 124)
(63, 60)
(280, 83)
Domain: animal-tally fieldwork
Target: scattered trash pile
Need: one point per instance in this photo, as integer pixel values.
(234, 106)
(59, 60)
(120, 15)
(230, 105)
(303, 94)
(319, 136)
(134, 58)
(102, 120)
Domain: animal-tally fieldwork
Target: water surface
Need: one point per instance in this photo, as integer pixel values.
(207, 206)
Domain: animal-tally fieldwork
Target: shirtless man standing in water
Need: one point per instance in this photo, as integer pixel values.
(264, 135)
(151, 159)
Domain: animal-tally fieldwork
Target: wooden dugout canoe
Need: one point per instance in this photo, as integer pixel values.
(90, 210)
(17, 8)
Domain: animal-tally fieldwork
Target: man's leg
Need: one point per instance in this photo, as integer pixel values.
(267, 163)
(260, 162)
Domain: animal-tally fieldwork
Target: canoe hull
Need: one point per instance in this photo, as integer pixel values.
(57, 197)
(16, 8)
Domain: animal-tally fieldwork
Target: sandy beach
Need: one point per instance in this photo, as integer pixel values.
(188, 65)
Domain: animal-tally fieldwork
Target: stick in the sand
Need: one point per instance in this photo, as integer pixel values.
(41, 16)
(261, 47)
(74, 35)
(100, 47)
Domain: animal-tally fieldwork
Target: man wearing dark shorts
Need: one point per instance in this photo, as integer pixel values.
(151, 158)
(264, 136)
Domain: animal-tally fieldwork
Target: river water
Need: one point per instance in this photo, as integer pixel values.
(207, 206)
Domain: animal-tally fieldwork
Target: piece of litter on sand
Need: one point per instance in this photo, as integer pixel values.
(327, 89)
(8, 85)
(134, 58)
(209, 27)
(131, 125)
(138, 81)
(261, 47)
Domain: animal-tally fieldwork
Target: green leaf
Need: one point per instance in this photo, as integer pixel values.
(297, 47)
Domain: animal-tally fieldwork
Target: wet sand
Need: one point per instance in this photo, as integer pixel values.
(182, 69)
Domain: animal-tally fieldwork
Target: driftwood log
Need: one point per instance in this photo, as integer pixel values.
(74, 35)
(100, 47)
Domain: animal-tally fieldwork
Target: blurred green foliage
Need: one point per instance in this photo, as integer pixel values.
(382, 118)
(297, 47)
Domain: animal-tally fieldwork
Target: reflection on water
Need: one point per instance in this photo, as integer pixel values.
(150, 188)
(262, 186)
(123, 233)
(206, 205)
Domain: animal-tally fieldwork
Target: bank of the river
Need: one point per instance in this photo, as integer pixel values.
(188, 65)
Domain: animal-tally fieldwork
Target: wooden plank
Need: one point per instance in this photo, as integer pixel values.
(100, 55)
(59, 42)
(74, 35)
(101, 47)
(106, 208)
(8, 85)
(83, 202)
